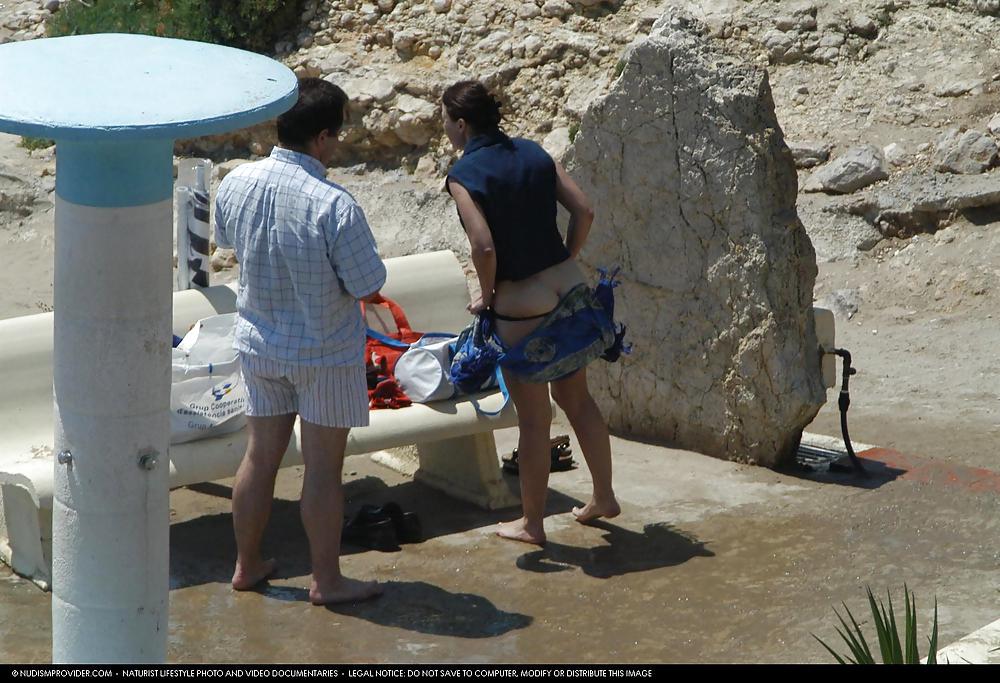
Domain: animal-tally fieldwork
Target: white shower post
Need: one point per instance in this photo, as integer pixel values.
(114, 104)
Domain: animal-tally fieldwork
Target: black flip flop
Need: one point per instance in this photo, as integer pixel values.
(562, 457)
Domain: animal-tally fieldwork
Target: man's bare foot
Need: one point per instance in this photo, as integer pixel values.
(246, 577)
(520, 530)
(594, 510)
(344, 590)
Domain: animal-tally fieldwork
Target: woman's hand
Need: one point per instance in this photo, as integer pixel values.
(477, 306)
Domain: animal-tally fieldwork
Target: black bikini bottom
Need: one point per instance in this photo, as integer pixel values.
(513, 319)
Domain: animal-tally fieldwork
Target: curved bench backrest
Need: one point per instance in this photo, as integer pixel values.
(431, 288)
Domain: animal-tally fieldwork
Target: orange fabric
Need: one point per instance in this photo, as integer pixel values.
(380, 359)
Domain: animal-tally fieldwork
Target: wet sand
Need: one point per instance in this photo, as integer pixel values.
(709, 562)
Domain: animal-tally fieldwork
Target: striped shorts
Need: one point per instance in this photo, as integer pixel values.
(324, 396)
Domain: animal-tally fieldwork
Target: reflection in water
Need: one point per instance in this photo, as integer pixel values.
(659, 545)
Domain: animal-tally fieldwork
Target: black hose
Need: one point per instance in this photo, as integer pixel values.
(844, 403)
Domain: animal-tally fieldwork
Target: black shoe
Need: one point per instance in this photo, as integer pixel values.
(407, 524)
(371, 528)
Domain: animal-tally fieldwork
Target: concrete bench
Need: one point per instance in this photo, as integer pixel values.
(452, 444)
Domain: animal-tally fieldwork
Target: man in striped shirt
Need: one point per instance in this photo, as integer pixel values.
(306, 257)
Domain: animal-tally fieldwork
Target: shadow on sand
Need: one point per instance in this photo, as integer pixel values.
(423, 608)
(659, 545)
(203, 550)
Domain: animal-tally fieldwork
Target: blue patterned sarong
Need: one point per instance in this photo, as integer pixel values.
(576, 332)
(579, 329)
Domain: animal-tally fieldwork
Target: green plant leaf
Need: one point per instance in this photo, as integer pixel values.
(840, 660)
(912, 655)
(855, 645)
(884, 639)
(248, 24)
(893, 648)
(31, 143)
(855, 641)
(897, 650)
(867, 658)
(932, 653)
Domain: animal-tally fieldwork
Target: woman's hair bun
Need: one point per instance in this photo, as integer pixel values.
(472, 101)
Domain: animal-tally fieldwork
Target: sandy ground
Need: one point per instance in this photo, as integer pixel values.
(924, 342)
(710, 562)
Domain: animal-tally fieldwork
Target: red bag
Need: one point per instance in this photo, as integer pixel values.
(382, 350)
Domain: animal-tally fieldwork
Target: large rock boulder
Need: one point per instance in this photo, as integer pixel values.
(695, 193)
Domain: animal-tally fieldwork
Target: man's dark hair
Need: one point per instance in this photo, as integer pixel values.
(472, 101)
(321, 106)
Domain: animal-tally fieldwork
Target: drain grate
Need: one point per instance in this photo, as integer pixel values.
(817, 459)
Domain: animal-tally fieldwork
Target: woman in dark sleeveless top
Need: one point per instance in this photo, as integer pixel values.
(506, 191)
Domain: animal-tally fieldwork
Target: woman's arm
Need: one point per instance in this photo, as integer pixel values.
(581, 215)
(484, 256)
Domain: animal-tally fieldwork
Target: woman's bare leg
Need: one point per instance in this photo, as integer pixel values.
(534, 416)
(573, 396)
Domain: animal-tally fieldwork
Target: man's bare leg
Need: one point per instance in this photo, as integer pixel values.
(534, 418)
(322, 510)
(573, 397)
(253, 493)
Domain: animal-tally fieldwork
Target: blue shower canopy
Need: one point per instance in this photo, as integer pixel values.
(127, 87)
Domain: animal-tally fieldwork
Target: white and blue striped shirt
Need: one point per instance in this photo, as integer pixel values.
(306, 256)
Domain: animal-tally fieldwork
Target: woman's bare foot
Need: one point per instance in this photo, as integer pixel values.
(344, 590)
(520, 530)
(594, 510)
(247, 577)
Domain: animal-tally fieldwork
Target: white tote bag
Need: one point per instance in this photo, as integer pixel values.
(207, 396)
(423, 369)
